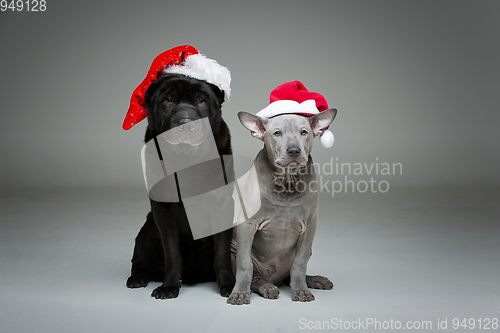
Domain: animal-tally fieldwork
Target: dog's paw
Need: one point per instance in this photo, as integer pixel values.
(226, 283)
(137, 281)
(237, 298)
(319, 282)
(302, 295)
(225, 291)
(269, 290)
(165, 292)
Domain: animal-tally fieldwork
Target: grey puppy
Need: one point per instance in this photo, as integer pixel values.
(274, 244)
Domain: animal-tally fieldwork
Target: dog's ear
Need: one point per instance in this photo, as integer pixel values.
(218, 93)
(255, 124)
(322, 120)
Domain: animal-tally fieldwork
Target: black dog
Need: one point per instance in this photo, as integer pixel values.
(165, 250)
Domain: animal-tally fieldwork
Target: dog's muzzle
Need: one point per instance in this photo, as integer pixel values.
(189, 132)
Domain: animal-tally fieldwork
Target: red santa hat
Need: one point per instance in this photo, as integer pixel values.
(184, 60)
(294, 98)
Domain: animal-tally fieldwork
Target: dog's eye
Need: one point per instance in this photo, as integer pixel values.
(304, 132)
(169, 99)
(200, 100)
(277, 133)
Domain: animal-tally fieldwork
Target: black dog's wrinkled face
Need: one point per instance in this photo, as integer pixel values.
(174, 103)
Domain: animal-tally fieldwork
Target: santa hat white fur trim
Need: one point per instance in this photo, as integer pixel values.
(198, 66)
(290, 107)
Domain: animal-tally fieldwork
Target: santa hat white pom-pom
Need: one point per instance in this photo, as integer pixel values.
(327, 139)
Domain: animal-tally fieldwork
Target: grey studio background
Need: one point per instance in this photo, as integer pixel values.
(415, 83)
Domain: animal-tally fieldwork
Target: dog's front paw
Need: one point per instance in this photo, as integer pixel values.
(319, 282)
(165, 292)
(225, 291)
(226, 283)
(137, 281)
(269, 290)
(302, 295)
(239, 298)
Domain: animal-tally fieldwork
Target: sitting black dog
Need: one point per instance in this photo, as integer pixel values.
(165, 250)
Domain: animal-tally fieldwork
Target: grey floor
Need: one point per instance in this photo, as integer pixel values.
(407, 255)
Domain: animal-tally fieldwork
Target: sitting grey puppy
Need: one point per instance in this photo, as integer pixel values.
(274, 243)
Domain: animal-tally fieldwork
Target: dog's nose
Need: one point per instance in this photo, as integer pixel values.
(183, 122)
(293, 151)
